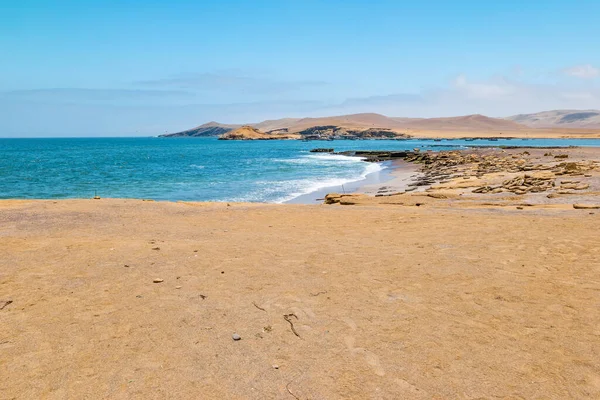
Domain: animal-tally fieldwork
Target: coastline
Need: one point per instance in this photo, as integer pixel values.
(381, 176)
(400, 175)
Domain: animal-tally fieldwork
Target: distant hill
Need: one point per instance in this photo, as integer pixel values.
(468, 122)
(589, 119)
(366, 121)
(208, 129)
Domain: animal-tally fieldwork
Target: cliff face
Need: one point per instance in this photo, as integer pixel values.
(249, 133)
(339, 132)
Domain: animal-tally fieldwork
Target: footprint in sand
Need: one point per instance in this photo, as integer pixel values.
(371, 358)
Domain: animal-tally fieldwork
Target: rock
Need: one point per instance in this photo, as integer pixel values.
(571, 167)
(275, 366)
(158, 280)
(321, 151)
(332, 198)
(236, 337)
(437, 195)
(177, 287)
(576, 186)
(586, 206)
(519, 208)
(540, 175)
(562, 156)
(483, 189)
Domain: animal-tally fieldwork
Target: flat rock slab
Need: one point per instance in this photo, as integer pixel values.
(586, 206)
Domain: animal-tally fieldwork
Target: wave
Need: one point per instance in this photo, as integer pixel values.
(275, 191)
(307, 186)
(333, 159)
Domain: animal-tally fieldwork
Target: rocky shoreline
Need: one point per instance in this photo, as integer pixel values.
(536, 175)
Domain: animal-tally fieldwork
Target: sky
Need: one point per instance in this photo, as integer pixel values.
(143, 68)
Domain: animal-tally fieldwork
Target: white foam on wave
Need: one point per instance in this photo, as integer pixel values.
(334, 157)
(317, 159)
(283, 191)
(307, 186)
(197, 166)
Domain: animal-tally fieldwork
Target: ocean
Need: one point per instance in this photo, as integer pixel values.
(198, 169)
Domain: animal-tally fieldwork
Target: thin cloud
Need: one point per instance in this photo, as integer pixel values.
(383, 100)
(231, 83)
(76, 94)
(585, 71)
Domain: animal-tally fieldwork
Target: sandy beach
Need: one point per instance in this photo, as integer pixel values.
(429, 298)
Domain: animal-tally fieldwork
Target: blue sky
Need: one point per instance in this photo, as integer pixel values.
(110, 68)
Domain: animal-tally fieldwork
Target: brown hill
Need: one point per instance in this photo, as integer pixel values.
(540, 125)
(589, 119)
(467, 122)
(372, 120)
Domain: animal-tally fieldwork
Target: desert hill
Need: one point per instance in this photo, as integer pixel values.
(358, 122)
(372, 120)
(589, 119)
(467, 122)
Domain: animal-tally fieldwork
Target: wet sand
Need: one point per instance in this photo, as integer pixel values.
(372, 180)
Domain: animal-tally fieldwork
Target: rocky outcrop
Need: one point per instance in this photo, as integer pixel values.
(329, 132)
(249, 133)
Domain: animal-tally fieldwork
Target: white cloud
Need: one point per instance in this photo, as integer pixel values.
(585, 71)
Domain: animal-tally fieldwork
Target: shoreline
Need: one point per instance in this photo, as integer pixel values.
(373, 178)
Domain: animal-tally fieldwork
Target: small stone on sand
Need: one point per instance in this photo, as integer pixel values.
(158, 280)
(236, 337)
(275, 366)
(177, 287)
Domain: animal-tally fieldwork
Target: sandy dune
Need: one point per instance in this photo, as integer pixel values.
(387, 301)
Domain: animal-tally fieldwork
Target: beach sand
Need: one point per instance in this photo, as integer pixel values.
(357, 302)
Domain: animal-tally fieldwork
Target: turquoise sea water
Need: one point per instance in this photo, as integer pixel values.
(198, 169)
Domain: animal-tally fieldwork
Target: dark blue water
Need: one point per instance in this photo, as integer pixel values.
(201, 169)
